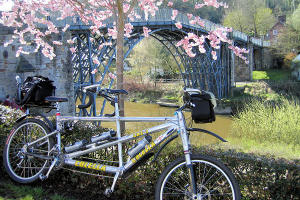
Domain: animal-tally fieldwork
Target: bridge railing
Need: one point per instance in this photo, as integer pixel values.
(164, 16)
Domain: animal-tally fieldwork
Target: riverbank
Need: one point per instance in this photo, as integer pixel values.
(259, 176)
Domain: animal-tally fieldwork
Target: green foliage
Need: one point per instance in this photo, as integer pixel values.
(259, 177)
(281, 7)
(9, 190)
(289, 39)
(8, 117)
(252, 17)
(295, 19)
(236, 20)
(272, 74)
(149, 59)
(269, 121)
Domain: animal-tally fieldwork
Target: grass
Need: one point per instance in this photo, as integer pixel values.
(272, 74)
(268, 127)
(273, 149)
(10, 191)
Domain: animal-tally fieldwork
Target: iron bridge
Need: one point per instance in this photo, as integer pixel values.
(201, 71)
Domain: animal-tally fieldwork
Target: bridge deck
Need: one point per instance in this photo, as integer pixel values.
(163, 17)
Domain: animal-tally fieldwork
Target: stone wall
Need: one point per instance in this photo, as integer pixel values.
(262, 59)
(59, 69)
(242, 70)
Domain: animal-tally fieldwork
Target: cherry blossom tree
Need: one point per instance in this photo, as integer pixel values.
(26, 16)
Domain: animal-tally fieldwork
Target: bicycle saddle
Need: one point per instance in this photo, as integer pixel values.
(55, 99)
(110, 91)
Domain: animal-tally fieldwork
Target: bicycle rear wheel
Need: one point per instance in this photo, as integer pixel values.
(213, 180)
(25, 164)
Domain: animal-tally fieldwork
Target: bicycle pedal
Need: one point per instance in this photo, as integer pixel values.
(42, 177)
(108, 192)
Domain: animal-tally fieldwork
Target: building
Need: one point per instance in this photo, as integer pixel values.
(276, 29)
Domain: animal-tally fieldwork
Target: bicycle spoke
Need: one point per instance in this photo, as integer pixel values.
(32, 163)
(211, 182)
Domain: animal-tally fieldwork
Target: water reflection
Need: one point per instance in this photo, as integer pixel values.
(221, 126)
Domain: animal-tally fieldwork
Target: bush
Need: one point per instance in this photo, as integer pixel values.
(276, 121)
(260, 177)
(287, 61)
(8, 116)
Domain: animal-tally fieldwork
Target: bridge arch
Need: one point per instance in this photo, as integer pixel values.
(199, 72)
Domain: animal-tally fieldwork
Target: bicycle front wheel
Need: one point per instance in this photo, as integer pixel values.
(25, 164)
(213, 180)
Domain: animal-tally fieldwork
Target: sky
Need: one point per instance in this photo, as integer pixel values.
(5, 5)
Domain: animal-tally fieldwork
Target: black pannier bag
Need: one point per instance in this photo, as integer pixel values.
(202, 106)
(34, 90)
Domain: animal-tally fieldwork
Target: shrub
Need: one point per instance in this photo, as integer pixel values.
(287, 61)
(7, 118)
(269, 121)
(259, 177)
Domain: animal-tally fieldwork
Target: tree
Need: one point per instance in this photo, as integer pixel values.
(150, 52)
(295, 19)
(95, 13)
(251, 16)
(289, 39)
(236, 20)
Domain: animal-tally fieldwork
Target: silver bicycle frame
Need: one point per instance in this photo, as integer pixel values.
(172, 125)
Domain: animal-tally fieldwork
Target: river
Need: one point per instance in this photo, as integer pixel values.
(221, 126)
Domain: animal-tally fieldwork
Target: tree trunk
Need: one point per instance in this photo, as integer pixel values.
(120, 57)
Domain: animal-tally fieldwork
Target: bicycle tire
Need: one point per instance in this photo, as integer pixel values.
(209, 186)
(22, 167)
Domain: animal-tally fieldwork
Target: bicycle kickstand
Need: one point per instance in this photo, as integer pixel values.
(43, 177)
(109, 191)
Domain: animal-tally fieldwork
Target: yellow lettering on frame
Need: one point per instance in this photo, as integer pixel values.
(103, 168)
(81, 164)
(98, 167)
(90, 165)
(94, 166)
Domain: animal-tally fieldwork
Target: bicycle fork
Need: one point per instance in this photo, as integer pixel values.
(187, 153)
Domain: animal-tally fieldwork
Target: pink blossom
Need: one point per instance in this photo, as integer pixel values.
(128, 29)
(146, 31)
(214, 54)
(27, 16)
(112, 76)
(170, 3)
(113, 32)
(8, 43)
(70, 41)
(174, 14)
(57, 43)
(72, 49)
(96, 61)
(94, 71)
(178, 25)
(190, 16)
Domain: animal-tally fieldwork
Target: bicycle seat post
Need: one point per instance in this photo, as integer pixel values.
(58, 126)
(117, 115)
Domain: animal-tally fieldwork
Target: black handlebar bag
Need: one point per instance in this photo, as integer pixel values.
(202, 108)
(34, 90)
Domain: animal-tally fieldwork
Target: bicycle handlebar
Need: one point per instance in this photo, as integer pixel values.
(90, 87)
(90, 94)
